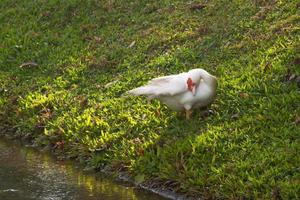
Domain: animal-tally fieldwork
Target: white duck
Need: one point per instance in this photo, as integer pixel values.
(185, 91)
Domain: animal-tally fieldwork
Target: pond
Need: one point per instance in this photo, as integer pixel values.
(28, 174)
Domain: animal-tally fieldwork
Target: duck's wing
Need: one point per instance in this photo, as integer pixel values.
(163, 86)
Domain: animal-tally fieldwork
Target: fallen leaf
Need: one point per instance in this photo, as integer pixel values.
(46, 113)
(136, 141)
(87, 27)
(98, 39)
(206, 113)
(244, 95)
(28, 64)
(260, 117)
(110, 84)
(197, 6)
(297, 120)
(297, 61)
(235, 116)
(98, 106)
(132, 44)
(203, 30)
(292, 77)
(140, 152)
(289, 75)
(59, 145)
(267, 66)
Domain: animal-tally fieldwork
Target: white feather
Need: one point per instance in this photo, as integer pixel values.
(172, 90)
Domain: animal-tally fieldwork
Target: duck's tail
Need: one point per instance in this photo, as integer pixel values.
(144, 90)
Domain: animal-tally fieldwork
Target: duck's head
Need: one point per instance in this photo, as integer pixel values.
(195, 76)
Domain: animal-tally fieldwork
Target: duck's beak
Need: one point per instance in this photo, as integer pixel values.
(194, 90)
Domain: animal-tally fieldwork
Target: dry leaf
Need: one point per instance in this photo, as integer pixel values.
(110, 84)
(297, 120)
(244, 95)
(98, 39)
(28, 64)
(46, 113)
(267, 66)
(235, 116)
(289, 75)
(132, 44)
(197, 6)
(297, 61)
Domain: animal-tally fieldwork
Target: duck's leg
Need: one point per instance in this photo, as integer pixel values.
(188, 114)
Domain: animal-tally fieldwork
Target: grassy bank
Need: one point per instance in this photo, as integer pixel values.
(86, 54)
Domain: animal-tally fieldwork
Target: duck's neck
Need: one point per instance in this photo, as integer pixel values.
(209, 79)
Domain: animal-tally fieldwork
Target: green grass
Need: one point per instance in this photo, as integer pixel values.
(90, 52)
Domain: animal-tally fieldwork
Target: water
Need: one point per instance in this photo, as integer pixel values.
(26, 174)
